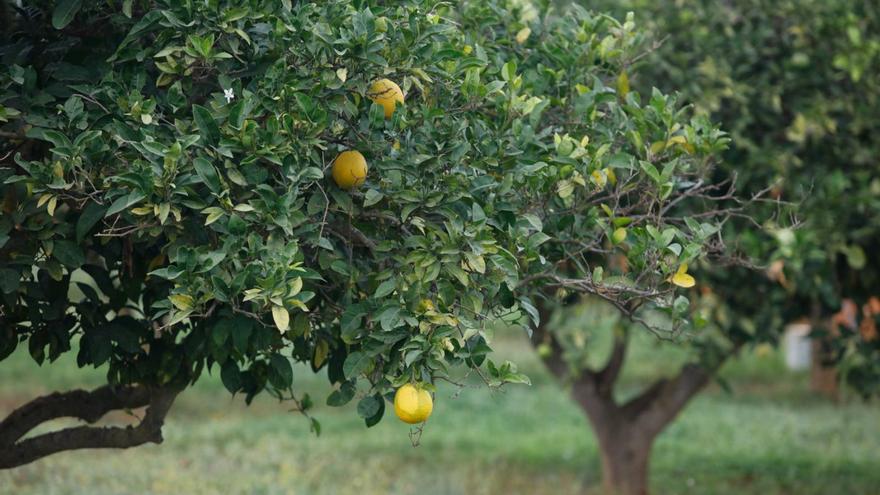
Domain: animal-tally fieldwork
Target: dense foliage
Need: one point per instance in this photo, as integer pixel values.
(167, 201)
(797, 84)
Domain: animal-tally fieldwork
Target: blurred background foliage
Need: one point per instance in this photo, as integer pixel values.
(797, 85)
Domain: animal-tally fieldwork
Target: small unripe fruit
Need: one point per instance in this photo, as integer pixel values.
(381, 24)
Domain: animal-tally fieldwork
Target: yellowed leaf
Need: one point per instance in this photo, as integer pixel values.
(182, 302)
(321, 351)
(681, 277)
(281, 317)
(599, 178)
(612, 177)
(623, 84)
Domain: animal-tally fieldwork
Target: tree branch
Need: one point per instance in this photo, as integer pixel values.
(554, 360)
(661, 402)
(350, 232)
(607, 376)
(88, 406)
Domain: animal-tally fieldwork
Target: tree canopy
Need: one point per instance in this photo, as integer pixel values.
(168, 208)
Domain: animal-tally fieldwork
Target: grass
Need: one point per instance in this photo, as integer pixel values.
(771, 436)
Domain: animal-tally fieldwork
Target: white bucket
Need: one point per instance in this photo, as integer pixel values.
(796, 346)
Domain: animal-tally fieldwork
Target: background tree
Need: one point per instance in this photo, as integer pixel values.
(168, 210)
(793, 81)
(796, 84)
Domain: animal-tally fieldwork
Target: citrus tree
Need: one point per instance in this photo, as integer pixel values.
(796, 83)
(229, 187)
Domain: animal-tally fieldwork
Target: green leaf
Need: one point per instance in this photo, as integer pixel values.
(301, 325)
(369, 406)
(237, 113)
(207, 173)
(385, 288)
(350, 322)
(377, 416)
(651, 170)
(231, 376)
(210, 131)
(281, 374)
(91, 215)
(167, 273)
(389, 318)
(355, 364)
(372, 197)
(342, 396)
(9, 280)
(64, 13)
(124, 202)
(221, 332)
(69, 254)
(508, 72)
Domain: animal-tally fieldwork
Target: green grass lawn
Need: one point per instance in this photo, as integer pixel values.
(770, 437)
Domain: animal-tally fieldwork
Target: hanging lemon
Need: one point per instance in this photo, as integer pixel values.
(387, 93)
(412, 404)
(349, 169)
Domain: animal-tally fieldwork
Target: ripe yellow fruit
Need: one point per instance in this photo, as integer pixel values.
(349, 169)
(386, 93)
(412, 404)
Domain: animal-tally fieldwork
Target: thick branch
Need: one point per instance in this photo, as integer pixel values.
(607, 377)
(584, 383)
(88, 406)
(554, 360)
(352, 233)
(661, 402)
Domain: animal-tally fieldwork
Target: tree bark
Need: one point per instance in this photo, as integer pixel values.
(625, 456)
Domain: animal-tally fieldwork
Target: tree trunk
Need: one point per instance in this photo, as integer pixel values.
(625, 457)
(625, 432)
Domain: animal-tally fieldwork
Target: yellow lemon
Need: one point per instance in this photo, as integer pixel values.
(386, 93)
(349, 169)
(412, 405)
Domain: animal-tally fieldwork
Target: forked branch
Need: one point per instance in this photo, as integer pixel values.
(88, 406)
